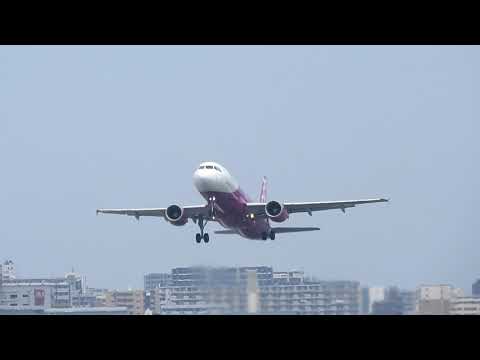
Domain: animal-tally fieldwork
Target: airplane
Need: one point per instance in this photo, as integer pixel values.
(228, 205)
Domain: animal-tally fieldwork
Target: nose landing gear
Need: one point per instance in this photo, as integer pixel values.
(211, 208)
(203, 221)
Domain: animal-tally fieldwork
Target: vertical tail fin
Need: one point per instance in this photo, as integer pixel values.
(263, 191)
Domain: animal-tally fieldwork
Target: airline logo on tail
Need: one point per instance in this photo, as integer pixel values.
(263, 192)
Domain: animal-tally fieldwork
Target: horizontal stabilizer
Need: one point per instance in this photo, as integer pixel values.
(280, 230)
(225, 232)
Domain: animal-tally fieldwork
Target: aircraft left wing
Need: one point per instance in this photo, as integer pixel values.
(308, 207)
(192, 212)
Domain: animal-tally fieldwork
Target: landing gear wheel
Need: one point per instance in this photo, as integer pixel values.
(264, 236)
(198, 238)
(206, 238)
(272, 235)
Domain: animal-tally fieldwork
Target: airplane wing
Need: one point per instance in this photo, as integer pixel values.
(192, 212)
(308, 207)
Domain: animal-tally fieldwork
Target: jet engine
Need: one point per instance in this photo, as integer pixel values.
(175, 215)
(276, 211)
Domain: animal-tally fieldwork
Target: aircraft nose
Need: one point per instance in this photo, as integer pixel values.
(201, 179)
(204, 180)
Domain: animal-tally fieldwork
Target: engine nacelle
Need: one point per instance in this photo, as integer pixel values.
(276, 211)
(175, 215)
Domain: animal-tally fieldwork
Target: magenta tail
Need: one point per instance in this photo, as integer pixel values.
(263, 192)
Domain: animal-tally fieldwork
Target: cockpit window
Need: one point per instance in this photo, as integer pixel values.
(209, 167)
(218, 169)
(202, 167)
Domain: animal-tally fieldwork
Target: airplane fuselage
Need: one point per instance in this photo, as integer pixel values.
(213, 181)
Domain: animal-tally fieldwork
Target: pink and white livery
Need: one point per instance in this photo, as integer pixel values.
(233, 209)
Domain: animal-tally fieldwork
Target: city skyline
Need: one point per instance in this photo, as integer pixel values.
(466, 291)
(197, 290)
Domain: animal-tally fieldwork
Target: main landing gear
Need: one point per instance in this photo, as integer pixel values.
(265, 235)
(202, 235)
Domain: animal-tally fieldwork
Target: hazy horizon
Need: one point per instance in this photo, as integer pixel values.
(87, 127)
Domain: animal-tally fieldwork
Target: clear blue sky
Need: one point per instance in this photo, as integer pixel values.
(83, 127)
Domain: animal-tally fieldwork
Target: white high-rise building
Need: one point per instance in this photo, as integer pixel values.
(436, 299)
(375, 294)
(252, 291)
(438, 292)
(7, 271)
